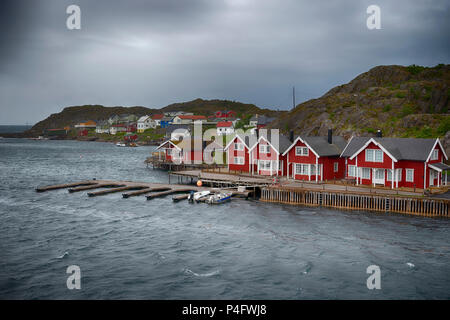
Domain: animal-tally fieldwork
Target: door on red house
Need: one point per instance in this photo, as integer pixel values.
(433, 177)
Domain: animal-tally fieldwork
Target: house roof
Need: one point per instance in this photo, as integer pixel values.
(157, 116)
(143, 118)
(191, 117)
(174, 127)
(224, 124)
(262, 120)
(194, 144)
(439, 166)
(324, 149)
(399, 148)
(279, 142)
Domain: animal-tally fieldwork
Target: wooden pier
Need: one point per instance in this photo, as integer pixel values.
(151, 190)
(419, 206)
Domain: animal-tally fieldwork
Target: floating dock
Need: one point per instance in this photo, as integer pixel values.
(151, 190)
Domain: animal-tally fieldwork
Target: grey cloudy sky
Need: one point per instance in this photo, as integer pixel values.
(156, 52)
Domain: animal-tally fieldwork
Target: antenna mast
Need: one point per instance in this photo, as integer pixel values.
(293, 97)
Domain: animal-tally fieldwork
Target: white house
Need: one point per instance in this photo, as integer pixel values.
(145, 123)
(225, 128)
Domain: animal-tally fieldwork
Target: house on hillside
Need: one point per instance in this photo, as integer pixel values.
(186, 119)
(224, 115)
(315, 158)
(188, 151)
(395, 162)
(178, 131)
(116, 128)
(259, 122)
(144, 123)
(157, 119)
(114, 119)
(127, 118)
(86, 125)
(102, 127)
(172, 114)
(225, 128)
(165, 122)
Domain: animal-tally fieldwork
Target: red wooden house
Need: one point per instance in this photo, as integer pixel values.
(395, 162)
(189, 151)
(238, 157)
(225, 114)
(266, 155)
(316, 158)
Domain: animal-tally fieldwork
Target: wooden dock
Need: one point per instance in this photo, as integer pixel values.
(151, 190)
(411, 205)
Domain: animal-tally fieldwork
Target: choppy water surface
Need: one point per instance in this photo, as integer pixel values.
(133, 248)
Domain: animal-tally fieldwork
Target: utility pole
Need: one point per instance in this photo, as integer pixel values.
(293, 97)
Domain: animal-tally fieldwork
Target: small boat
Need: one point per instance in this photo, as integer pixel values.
(219, 198)
(198, 196)
(120, 144)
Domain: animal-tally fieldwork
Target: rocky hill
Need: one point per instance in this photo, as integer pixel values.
(72, 115)
(401, 101)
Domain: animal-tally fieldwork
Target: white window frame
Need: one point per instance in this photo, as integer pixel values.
(169, 151)
(238, 160)
(238, 146)
(336, 167)
(301, 151)
(435, 154)
(350, 169)
(412, 175)
(365, 170)
(264, 165)
(374, 153)
(264, 148)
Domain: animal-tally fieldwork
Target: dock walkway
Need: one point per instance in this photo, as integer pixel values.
(132, 189)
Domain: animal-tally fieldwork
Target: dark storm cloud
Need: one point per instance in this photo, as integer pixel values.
(154, 53)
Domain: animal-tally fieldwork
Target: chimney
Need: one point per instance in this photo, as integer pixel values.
(379, 134)
(330, 136)
(256, 133)
(291, 136)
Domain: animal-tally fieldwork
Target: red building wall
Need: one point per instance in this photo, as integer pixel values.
(231, 153)
(272, 155)
(326, 162)
(418, 167)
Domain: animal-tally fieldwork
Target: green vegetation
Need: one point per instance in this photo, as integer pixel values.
(443, 127)
(387, 108)
(245, 120)
(400, 95)
(414, 69)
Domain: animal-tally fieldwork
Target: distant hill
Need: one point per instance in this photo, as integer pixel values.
(72, 115)
(401, 101)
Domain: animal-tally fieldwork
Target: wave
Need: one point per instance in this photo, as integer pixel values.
(209, 274)
(65, 254)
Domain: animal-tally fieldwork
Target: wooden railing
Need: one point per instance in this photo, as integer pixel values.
(427, 207)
